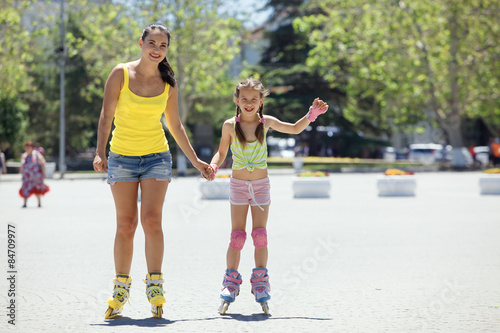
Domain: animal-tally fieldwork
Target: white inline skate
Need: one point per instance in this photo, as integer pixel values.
(261, 287)
(154, 291)
(230, 289)
(120, 296)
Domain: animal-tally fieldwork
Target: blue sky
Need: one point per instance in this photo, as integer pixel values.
(245, 7)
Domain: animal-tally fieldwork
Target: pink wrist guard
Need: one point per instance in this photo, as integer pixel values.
(215, 168)
(314, 112)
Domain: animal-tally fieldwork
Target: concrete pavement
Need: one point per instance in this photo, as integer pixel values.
(354, 262)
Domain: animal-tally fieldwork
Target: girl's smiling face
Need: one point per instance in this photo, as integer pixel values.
(249, 101)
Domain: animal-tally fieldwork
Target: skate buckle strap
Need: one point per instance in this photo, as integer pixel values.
(121, 284)
(259, 275)
(260, 279)
(265, 284)
(231, 279)
(148, 281)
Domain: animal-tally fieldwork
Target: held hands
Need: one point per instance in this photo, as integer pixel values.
(318, 107)
(100, 163)
(204, 168)
(214, 168)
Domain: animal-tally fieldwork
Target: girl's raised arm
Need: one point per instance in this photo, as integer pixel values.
(318, 107)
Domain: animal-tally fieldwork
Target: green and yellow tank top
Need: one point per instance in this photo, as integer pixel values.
(250, 156)
(138, 129)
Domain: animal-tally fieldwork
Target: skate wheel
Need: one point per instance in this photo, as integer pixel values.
(157, 311)
(265, 308)
(111, 313)
(223, 307)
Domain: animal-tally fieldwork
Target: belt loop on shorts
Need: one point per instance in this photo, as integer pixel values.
(252, 194)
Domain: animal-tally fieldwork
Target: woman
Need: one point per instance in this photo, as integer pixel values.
(136, 95)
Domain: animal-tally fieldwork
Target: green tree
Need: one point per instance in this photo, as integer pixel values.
(98, 36)
(16, 53)
(203, 45)
(294, 85)
(401, 61)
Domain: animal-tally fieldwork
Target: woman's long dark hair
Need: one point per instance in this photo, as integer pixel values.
(166, 71)
(259, 131)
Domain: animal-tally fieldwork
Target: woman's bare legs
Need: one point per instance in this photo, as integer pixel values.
(152, 198)
(125, 197)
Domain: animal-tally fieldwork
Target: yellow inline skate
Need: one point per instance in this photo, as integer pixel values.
(120, 296)
(154, 291)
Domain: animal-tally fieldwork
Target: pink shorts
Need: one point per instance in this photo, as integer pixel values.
(250, 192)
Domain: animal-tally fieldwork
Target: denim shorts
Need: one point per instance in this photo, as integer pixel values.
(123, 168)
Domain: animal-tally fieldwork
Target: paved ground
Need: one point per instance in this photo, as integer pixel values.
(354, 262)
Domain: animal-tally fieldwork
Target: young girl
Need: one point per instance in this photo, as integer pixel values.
(33, 174)
(249, 184)
(136, 95)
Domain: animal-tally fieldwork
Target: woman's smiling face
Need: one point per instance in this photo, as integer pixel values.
(155, 46)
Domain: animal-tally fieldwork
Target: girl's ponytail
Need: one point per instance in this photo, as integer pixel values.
(237, 128)
(259, 131)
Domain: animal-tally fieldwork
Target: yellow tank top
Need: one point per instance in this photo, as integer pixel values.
(138, 129)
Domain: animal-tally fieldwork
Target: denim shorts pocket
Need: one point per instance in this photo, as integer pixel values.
(114, 155)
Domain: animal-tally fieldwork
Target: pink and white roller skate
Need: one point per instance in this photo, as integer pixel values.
(230, 289)
(261, 287)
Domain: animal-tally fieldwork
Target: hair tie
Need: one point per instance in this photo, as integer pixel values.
(237, 119)
(263, 120)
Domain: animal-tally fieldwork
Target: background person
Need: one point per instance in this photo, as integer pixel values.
(33, 172)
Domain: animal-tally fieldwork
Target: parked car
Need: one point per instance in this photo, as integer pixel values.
(391, 154)
(429, 153)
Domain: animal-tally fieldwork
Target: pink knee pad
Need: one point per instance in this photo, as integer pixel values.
(238, 238)
(259, 236)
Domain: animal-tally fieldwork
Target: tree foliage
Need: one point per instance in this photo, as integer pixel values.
(99, 35)
(202, 47)
(15, 55)
(403, 61)
(294, 84)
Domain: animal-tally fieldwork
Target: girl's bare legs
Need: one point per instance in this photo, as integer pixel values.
(238, 222)
(38, 197)
(152, 199)
(259, 220)
(125, 197)
(260, 278)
